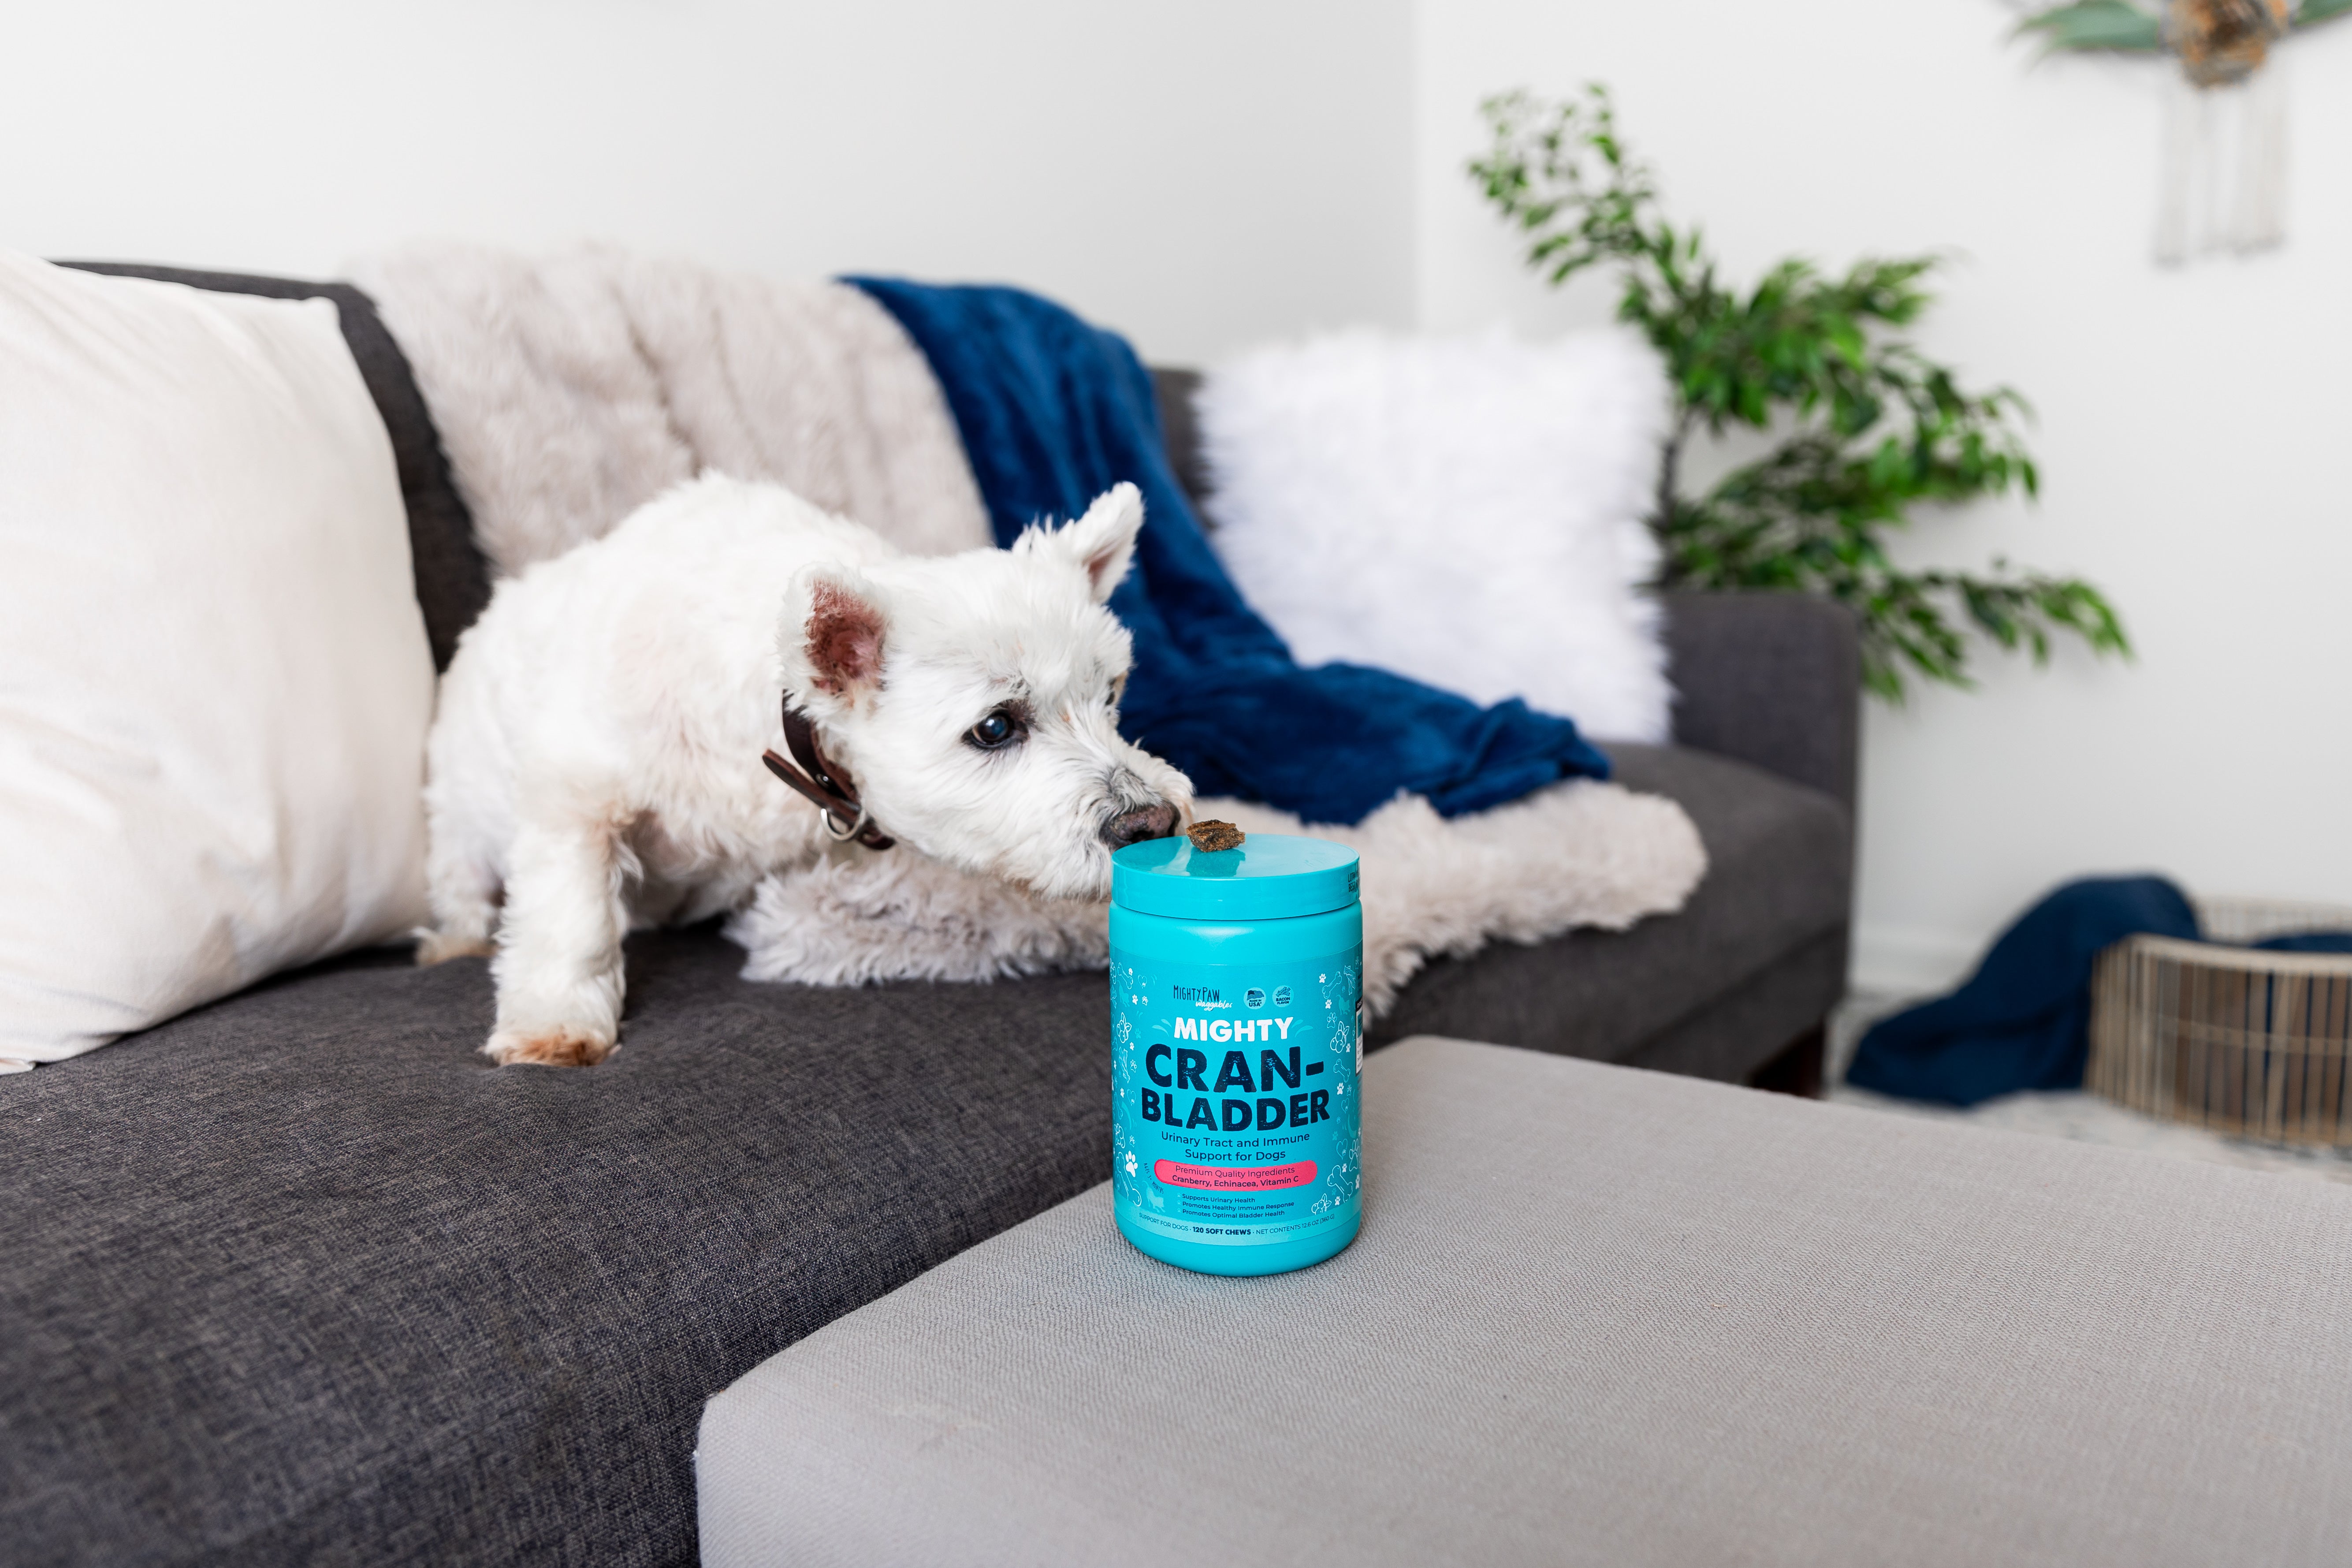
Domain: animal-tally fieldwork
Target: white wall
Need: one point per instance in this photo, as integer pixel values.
(1199, 174)
(1210, 173)
(2193, 425)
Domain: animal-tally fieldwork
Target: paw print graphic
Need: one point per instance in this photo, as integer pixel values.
(1130, 1162)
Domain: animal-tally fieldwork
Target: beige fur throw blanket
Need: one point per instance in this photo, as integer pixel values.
(1580, 853)
(568, 390)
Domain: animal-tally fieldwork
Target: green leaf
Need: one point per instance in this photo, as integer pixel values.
(2097, 25)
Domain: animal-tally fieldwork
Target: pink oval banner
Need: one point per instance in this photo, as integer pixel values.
(1234, 1178)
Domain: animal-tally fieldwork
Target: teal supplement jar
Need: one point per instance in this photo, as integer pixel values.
(1236, 980)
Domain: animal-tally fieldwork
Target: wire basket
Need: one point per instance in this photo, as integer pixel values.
(2257, 1045)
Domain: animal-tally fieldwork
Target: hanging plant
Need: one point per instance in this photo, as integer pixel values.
(2224, 185)
(2218, 41)
(1873, 428)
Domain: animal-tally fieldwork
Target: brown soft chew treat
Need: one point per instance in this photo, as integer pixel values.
(1215, 835)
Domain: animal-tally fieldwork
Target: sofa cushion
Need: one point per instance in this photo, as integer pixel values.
(1473, 503)
(453, 582)
(299, 1277)
(1780, 870)
(215, 682)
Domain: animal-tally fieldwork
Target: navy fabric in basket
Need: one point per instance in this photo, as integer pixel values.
(2308, 942)
(1054, 412)
(2022, 1020)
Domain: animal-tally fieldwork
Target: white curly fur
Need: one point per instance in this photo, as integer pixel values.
(594, 763)
(1468, 510)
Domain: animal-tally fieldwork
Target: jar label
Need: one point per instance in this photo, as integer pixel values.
(1237, 1117)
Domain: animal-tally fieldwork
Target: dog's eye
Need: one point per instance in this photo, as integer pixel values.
(996, 731)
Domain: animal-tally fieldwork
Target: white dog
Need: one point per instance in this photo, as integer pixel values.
(595, 763)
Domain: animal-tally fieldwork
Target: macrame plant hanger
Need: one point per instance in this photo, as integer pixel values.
(2223, 182)
(2224, 157)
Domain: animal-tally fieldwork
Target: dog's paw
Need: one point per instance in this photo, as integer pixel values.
(437, 947)
(559, 1045)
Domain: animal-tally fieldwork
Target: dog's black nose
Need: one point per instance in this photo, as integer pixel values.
(1134, 826)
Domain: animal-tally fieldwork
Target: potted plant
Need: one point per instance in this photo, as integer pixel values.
(1870, 427)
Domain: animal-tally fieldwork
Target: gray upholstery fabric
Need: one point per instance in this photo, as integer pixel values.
(300, 1277)
(1729, 1036)
(1179, 431)
(1770, 679)
(1778, 884)
(453, 582)
(1600, 1317)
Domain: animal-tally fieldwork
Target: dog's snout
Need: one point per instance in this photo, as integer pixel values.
(1134, 826)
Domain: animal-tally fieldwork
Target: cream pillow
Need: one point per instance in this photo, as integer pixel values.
(1466, 510)
(214, 683)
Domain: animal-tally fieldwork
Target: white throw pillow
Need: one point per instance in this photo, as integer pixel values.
(1466, 510)
(214, 683)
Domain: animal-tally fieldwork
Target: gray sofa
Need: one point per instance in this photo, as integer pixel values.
(299, 1278)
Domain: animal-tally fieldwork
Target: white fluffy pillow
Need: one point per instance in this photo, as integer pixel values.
(1466, 510)
(214, 683)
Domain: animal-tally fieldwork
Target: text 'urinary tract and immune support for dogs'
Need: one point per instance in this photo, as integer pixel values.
(1237, 979)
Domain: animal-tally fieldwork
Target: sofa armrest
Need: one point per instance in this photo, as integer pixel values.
(1770, 679)
(1179, 431)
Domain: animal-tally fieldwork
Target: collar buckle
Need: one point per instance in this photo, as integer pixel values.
(826, 785)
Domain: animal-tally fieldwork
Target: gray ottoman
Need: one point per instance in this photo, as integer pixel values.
(1600, 1316)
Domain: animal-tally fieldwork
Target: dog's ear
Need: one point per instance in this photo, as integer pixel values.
(832, 634)
(1103, 540)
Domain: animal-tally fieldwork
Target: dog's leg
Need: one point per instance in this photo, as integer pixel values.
(468, 818)
(461, 884)
(559, 962)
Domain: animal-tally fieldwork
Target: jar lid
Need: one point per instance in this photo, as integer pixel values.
(1272, 876)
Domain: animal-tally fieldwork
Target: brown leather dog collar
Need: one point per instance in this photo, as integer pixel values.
(828, 787)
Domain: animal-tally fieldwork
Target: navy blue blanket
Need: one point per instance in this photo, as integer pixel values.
(2022, 1020)
(1054, 412)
